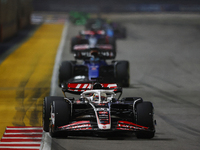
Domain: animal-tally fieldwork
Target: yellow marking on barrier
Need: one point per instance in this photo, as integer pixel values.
(25, 78)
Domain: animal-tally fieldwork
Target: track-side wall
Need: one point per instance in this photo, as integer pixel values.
(14, 15)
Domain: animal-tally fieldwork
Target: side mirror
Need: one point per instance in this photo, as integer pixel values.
(118, 90)
(64, 87)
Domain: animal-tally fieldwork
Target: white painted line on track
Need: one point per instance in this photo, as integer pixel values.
(54, 80)
(46, 140)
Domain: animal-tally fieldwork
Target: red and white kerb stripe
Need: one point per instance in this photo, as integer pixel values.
(21, 138)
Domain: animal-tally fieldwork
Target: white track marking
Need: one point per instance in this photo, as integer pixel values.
(46, 141)
(54, 80)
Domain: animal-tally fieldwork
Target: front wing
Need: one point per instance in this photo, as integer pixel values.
(89, 126)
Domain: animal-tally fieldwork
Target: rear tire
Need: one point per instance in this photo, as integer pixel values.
(65, 72)
(74, 41)
(144, 117)
(122, 73)
(112, 41)
(46, 110)
(62, 112)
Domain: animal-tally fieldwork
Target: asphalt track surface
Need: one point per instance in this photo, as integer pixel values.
(164, 56)
(163, 51)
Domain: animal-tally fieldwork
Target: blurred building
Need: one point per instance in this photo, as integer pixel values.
(16, 14)
(116, 5)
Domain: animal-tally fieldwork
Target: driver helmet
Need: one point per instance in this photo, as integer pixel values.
(103, 97)
(94, 53)
(94, 56)
(96, 97)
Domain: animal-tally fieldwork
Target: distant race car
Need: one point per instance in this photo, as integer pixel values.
(94, 65)
(99, 24)
(97, 110)
(119, 30)
(88, 39)
(78, 18)
(112, 29)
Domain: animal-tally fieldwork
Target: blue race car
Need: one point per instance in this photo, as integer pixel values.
(93, 64)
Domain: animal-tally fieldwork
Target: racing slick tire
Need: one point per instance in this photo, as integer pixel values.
(144, 117)
(62, 111)
(74, 41)
(65, 72)
(122, 73)
(46, 110)
(112, 41)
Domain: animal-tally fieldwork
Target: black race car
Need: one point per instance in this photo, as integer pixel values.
(88, 39)
(97, 110)
(93, 64)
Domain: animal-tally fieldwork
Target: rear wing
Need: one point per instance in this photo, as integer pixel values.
(90, 32)
(105, 51)
(77, 88)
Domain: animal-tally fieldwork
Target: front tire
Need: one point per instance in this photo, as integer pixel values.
(62, 113)
(144, 117)
(122, 73)
(46, 110)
